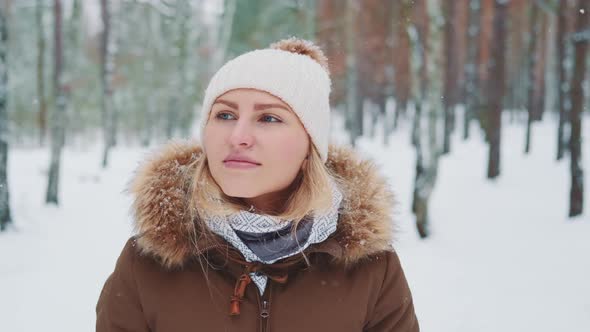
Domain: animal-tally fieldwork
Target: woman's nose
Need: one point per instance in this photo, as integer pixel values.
(242, 134)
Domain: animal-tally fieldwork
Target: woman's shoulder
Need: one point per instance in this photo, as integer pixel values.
(133, 258)
(381, 264)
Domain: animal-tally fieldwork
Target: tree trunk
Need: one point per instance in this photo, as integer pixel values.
(402, 78)
(538, 103)
(353, 101)
(331, 27)
(73, 56)
(229, 11)
(533, 58)
(185, 19)
(57, 120)
(517, 57)
(107, 64)
(577, 96)
(5, 217)
(563, 51)
(450, 85)
(484, 65)
(470, 86)
(497, 87)
(428, 106)
(177, 110)
(41, 72)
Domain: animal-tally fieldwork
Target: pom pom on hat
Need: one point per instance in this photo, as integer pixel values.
(303, 47)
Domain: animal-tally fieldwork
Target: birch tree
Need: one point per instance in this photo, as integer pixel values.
(58, 112)
(426, 44)
(106, 75)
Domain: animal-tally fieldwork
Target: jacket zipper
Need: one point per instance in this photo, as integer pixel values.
(264, 305)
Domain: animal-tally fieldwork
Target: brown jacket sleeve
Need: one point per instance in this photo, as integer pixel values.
(118, 308)
(394, 310)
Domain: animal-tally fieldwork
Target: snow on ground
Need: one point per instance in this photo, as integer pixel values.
(502, 256)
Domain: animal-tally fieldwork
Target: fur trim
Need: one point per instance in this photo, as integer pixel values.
(161, 187)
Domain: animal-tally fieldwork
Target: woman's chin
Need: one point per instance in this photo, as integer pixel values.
(240, 193)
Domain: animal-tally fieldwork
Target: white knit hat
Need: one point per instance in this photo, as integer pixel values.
(296, 78)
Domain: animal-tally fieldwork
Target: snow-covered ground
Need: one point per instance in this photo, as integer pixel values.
(502, 256)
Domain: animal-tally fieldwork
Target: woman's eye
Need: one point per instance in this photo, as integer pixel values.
(224, 116)
(270, 118)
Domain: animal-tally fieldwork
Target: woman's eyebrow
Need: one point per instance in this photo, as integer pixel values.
(226, 103)
(261, 107)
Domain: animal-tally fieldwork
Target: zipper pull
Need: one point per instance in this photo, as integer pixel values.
(264, 313)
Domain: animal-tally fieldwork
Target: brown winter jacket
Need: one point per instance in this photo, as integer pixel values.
(353, 281)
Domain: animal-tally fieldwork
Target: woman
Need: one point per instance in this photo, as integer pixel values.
(265, 227)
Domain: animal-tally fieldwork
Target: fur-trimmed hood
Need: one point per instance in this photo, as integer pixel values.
(161, 191)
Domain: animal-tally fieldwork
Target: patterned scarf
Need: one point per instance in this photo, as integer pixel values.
(267, 239)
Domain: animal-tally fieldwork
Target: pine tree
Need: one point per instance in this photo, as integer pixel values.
(498, 87)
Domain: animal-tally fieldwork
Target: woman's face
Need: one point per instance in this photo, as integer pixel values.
(255, 144)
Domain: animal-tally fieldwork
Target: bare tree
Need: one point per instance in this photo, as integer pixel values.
(58, 114)
(581, 40)
(5, 217)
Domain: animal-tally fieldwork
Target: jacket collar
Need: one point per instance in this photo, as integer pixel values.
(160, 190)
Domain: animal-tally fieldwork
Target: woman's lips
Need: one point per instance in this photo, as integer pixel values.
(239, 164)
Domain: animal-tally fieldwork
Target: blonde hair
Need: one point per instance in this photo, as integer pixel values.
(310, 191)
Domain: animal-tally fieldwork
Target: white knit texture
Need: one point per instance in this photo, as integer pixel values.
(296, 79)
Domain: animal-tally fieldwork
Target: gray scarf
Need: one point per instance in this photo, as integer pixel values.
(267, 239)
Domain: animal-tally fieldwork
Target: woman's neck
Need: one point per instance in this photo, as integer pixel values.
(269, 203)
(273, 203)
